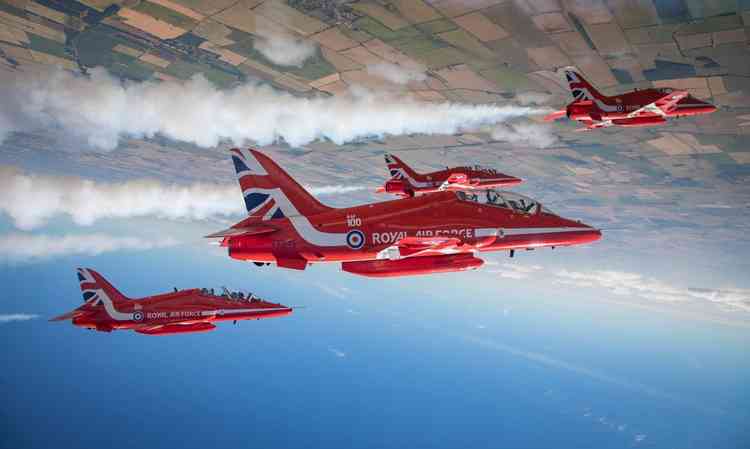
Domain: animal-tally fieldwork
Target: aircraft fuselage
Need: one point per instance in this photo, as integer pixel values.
(366, 232)
(628, 109)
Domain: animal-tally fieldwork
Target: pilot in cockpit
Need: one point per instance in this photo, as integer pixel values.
(494, 198)
(522, 204)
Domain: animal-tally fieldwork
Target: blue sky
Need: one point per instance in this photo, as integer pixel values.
(444, 361)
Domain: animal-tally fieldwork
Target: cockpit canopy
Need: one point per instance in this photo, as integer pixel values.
(481, 168)
(230, 295)
(498, 198)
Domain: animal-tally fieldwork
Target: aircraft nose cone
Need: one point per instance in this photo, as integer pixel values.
(702, 107)
(589, 236)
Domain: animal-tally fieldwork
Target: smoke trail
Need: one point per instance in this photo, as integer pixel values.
(30, 200)
(24, 248)
(525, 133)
(334, 189)
(11, 317)
(100, 109)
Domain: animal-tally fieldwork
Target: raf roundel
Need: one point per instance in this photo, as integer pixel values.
(138, 316)
(355, 239)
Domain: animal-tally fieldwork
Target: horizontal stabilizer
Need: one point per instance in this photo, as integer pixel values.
(66, 316)
(245, 230)
(555, 115)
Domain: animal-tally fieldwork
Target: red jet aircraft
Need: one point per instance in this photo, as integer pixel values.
(406, 182)
(106, 309)
(648, 107)
(433, 233)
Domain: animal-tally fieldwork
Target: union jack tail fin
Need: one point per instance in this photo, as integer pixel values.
(269, 192)
(580, 88)
(398, 169)
(96, 291)
(93, 285)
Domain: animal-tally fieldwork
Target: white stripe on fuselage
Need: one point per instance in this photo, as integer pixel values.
(300, 223)
(445, 183)
(109, 306)
(307, 231)
(604, 107)
(413, 181)
(588, 95)
(116, 315)
(531, 231)
(229, 312)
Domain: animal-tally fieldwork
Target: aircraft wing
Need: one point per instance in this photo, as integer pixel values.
(416, 246)
(254, 229)
(662, 105)
(454, 178)
(176, 328)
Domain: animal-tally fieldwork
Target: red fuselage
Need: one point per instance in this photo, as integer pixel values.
(364, 233)
(453, 179)
(630, 109)
(172, 313)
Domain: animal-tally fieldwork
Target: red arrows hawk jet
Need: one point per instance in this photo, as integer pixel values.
(648, 107)
(406, 182)
(106, 309)
(440, 232)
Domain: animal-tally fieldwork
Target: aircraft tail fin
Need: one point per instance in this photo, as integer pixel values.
(269, 192)
(94, 286)
(398, 169)
(580, 88)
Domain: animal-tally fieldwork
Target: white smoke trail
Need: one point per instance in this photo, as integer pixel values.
(525, 133)
(24, 248)
(533, 98)
(30, 200)
(100, 109)
(11, 317)
(334, 190)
